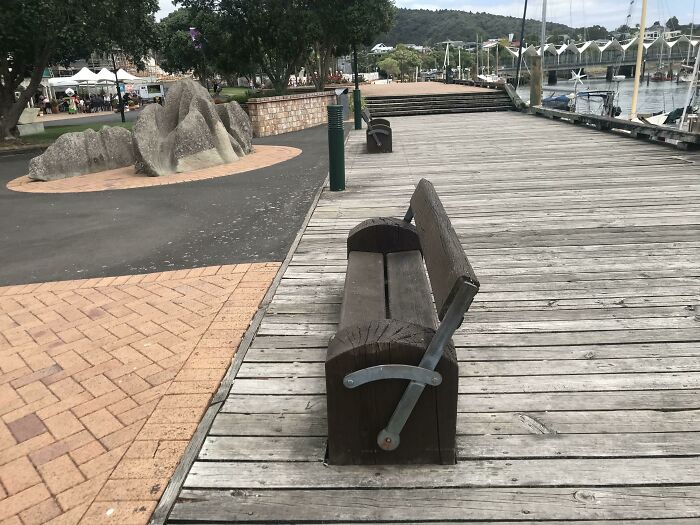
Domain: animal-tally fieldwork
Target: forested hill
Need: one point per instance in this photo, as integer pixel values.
(422, 26)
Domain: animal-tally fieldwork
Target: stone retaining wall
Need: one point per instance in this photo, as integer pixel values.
(275, 115)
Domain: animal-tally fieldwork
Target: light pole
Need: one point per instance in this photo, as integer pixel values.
(119, 92)
(356, 95)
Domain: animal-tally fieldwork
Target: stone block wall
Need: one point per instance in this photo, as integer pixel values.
(275, 115)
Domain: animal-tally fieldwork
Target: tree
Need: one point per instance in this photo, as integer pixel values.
(596, 32)
(38, 33)
(335, 25)
(672, 24)
(268, 33)
(389, 66)
(406, 58)
(177, 52)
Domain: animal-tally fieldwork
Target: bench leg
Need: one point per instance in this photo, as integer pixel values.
(356, 416)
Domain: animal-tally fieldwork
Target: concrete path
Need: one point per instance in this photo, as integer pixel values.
(406, 89)
(241, 218)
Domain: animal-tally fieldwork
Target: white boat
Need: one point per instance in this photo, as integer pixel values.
(685, 74)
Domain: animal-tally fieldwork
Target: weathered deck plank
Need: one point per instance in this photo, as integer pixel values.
(579, 360)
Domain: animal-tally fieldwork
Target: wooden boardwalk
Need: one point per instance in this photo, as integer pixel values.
(579, 359)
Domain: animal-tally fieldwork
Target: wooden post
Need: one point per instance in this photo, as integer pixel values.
(535, 81)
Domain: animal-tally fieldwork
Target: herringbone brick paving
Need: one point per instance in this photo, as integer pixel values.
(103, 382)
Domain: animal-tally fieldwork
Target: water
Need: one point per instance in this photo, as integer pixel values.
(657, 96)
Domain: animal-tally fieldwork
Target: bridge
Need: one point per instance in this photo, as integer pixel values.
(611, 53)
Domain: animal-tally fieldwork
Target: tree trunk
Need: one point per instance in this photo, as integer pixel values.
(11, 110)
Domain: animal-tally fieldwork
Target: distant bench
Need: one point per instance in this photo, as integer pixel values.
(378, 411)
(378, 133)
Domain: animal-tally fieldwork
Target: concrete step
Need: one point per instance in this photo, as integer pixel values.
(427, 111)
(461, 103)
(388, 106)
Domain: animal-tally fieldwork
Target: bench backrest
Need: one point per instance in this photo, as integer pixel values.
(448, 267)
(366, 116)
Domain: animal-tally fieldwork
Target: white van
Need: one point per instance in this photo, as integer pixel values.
(151, 91)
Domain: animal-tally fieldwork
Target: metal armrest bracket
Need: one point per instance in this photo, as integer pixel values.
(378, 373)
(390, 437)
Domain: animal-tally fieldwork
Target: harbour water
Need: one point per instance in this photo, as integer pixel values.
(657, 96)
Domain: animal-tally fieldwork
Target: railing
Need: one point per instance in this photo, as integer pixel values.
(683, 139)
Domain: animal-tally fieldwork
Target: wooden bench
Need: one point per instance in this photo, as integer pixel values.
(378, 133)
(391, 370)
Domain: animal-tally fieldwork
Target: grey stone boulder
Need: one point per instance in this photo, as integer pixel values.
(89, 151)
(237, 123)
(185, 134)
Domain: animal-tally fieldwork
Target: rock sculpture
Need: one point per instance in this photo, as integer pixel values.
(189, 132)
(237, 123)
(85, 152)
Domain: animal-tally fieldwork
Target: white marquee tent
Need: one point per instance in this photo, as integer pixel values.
(85, 76)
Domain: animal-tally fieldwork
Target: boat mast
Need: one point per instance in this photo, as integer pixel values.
(640, 52)
(544, 39)
(459, 61)
(477, 55)
(520, 48)
(488, 60)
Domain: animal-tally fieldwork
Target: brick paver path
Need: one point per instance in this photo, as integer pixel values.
(103, 382)
(127, 178)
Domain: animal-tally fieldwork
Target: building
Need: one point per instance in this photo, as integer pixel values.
(381, 49)
(420, 49)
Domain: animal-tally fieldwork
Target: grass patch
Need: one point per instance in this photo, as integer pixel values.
(234, 91)
(53, 132)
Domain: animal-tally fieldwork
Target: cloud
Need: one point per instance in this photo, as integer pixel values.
(166, 7)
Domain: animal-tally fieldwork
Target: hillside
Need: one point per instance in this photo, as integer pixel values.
(422, 26)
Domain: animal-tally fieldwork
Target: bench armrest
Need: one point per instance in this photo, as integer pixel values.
(378, 373)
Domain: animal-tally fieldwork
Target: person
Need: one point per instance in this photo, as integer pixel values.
(47, 106)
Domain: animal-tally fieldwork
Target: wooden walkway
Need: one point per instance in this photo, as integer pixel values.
(579, 359)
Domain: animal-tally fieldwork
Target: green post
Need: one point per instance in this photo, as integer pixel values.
(357, 103)
(336, 148)
(356, 95)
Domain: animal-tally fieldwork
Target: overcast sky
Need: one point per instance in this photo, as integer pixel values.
(610, 13)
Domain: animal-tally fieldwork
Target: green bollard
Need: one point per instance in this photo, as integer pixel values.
(357, 103)
(336, 148)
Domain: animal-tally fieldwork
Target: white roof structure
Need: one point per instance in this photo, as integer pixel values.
(85, 75)
(105, 75)
(62, 81)
(123, 75)
(581, 47)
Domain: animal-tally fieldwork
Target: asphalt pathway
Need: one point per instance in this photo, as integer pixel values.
(249, 217)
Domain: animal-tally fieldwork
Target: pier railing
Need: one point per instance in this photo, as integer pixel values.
(683, 139)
